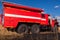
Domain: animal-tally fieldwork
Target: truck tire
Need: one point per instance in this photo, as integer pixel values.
(35, 28)
(22, 29)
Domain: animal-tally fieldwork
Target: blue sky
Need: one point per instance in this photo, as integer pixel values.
(51, 7)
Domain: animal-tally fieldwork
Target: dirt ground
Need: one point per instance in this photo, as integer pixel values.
(5, 34)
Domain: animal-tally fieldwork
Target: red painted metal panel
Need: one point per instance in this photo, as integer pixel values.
(53, 23)
(20, 6)
(13, 15)
(46, 21)
(7, 20)
(20, 12)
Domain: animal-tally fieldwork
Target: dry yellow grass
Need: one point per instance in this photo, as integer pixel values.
(5, 33)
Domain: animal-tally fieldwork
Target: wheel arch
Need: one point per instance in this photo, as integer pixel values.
(27, 23)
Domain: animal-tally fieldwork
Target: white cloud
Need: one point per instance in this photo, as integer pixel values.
(57, 6)
(43, 9)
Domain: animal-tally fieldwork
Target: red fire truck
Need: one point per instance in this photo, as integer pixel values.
(24, 18)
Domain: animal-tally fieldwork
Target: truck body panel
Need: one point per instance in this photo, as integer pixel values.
(14, 14)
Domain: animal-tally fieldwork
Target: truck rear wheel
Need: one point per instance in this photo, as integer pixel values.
(22, 29)
(35, 28)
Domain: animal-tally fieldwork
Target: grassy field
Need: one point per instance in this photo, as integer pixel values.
(7, 35)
